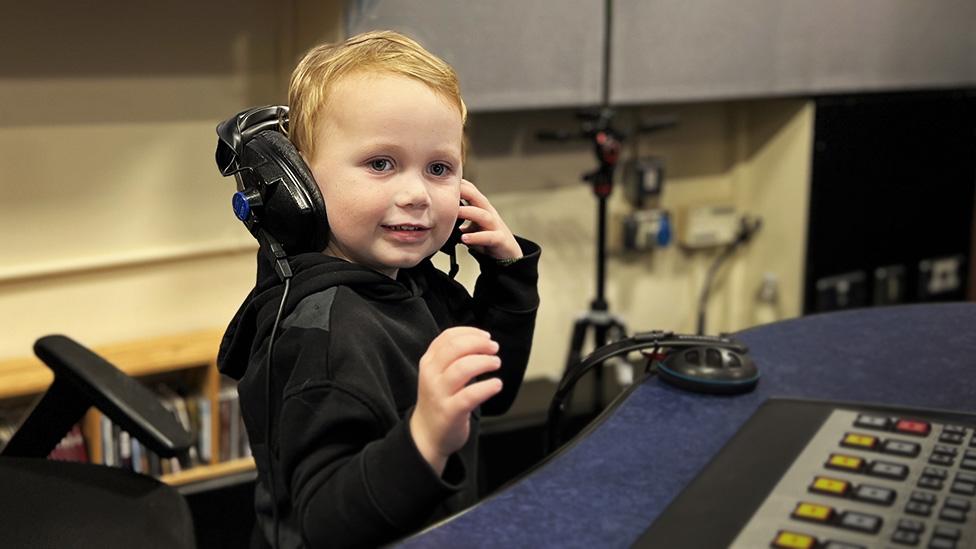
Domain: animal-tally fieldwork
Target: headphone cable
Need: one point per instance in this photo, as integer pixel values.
(270, 412)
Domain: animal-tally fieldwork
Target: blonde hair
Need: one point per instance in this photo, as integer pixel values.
(379, 51)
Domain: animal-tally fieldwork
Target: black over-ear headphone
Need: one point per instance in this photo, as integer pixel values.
(277, 197)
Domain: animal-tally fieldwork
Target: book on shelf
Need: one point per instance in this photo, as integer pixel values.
(233, 436)
(120, 449)
(72, 447)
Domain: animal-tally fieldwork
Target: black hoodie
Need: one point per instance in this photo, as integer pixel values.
(346, 471)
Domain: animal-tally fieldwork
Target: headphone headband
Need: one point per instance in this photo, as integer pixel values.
(233, 133)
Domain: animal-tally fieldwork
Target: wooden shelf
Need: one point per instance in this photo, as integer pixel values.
(24, 376)
(206, 472)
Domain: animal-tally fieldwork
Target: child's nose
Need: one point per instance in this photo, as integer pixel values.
(412, 192)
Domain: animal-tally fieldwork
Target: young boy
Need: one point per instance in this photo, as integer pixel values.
(382, 363)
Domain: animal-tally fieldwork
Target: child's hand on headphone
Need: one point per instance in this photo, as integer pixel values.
(486, 233)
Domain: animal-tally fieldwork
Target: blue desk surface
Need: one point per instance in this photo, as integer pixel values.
(608, 487)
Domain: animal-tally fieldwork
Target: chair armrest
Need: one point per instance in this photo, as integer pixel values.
(83, 379)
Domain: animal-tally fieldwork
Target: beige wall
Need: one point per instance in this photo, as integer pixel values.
(117, 225)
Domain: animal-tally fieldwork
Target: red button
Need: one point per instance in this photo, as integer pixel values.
(913, 427)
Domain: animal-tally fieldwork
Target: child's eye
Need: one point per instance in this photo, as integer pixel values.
(439, 169)
(380, 164)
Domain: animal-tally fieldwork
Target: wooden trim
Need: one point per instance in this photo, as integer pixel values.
(206, 472)
(141, 258)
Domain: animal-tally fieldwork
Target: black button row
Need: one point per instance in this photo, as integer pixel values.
(934, 478)
(909, 532)
(954, 509)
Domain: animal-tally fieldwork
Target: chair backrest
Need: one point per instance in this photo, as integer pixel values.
(62, 504)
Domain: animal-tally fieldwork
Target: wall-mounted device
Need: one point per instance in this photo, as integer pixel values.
(708, 226)
(843, 291)
(645, 230)
(940, 277)
(643, 180)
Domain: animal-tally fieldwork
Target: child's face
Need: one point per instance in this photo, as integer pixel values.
(388, 162)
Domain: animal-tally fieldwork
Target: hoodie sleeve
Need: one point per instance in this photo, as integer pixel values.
(353, 482)
(505, 302)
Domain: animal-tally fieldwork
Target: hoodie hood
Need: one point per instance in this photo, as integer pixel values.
(313, 273)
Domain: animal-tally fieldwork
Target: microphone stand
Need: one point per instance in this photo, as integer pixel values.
(607, 143)
(597, 126)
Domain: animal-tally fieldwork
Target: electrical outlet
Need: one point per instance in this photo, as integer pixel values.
(843, 291)
(938, 277)
(889, 285)
(645, 230)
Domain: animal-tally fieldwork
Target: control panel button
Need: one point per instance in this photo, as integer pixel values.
(910, 525)
(952, 515)
(923, 497)
(935, 472)
(942, 543)
(918, 508)
(942, 459)
(966, 477)
(872, 422)
(901, 448)
(830, 486)
(861, 522)
(963, 488)
(886, 469)
(959, 429)
(913, 427)
(874, 494)
(948, 532)
(932, 483)
(951, 438)
(957, 503)
(857, 440)
(904, 537)
(845, 462)
(813, 512)
(793, 540)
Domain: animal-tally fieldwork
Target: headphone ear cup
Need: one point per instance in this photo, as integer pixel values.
(293, 210)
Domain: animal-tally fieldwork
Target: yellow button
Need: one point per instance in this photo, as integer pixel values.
(812, 511)
(860, 441)
(827, 485)
(793, 540)
(841, 461)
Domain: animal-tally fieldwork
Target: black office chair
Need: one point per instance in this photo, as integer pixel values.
(47, 503)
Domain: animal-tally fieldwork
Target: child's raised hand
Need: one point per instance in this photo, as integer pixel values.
(445, 395)
(486, 233)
